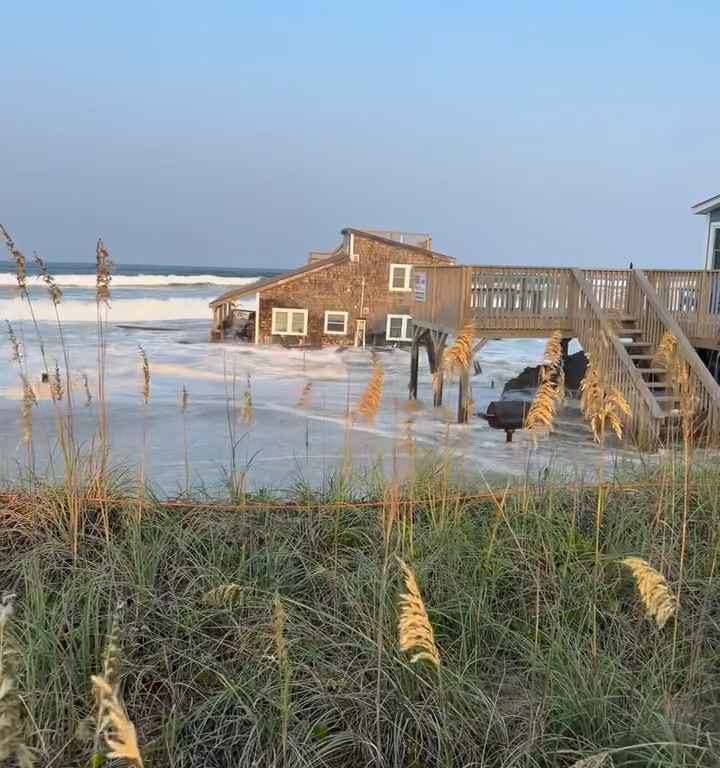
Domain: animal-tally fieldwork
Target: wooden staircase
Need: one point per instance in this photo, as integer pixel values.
(642, 353)
(630, 335)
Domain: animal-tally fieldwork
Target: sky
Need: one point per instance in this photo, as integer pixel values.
(249, 133)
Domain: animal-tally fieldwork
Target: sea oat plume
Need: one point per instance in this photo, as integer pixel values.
(223, 595)
(15, 344)
(247, 413)
(657, 598)
(458, 357)
(116, 726)
(551, 386)
(146, 375)
(369, 402)
(56, 385)
(666, 352)
(18, 258)
(602, 404)
(86, 387)
(49, 280)
(103, 274)
(415, 632)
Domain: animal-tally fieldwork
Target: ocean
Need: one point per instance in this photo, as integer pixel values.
(164, 310)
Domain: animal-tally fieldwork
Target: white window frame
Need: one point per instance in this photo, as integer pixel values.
(406, 319)
(345, 318)
(289, 310)
(713, 232)
(408, 277)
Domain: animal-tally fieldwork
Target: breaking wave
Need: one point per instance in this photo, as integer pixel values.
(132, 281)
(136, 310)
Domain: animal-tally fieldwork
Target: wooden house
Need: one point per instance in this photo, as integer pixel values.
(360, 292)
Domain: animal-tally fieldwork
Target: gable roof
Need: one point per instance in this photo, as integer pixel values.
(285, 277)
(706, 206)
(316, 266)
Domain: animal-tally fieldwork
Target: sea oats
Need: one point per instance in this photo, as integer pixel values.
(458, 357)
(369, 402)
(49, 280)
(415, 632)
(602, 404)
(19, 259)
(551, 386)
(223, 595)
(86, 387)
(116, 727)
(104, 268)
(145, 375)
(655, 594)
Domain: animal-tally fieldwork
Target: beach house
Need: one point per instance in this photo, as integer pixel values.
(360, 292)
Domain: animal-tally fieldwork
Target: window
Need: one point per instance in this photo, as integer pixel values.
(400, 277)
(399, 328)
(715, 246)
(336, 323)
(289, 322)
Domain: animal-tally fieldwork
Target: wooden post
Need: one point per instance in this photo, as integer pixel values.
(435, 342)
(414, 360)
(464, 397)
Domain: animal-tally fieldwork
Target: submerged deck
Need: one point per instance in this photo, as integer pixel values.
(620, 316)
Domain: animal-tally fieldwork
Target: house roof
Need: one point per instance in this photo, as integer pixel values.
(370, 235)
(316, 266)
(706, 206)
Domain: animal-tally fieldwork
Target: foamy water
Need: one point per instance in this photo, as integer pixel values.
(284, 442)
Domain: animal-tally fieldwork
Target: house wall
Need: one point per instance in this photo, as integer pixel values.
(339, 288)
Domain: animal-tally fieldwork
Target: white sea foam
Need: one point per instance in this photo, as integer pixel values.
(121, 311)
(132, 281)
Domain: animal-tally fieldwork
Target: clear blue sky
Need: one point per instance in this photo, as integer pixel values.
(243, 133)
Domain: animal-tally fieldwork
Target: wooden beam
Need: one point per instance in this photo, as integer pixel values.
(414, 360)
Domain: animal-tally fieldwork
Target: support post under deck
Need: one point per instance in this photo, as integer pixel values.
(414, 361)
(464, 400)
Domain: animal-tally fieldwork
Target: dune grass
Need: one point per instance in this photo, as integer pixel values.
(270, 637)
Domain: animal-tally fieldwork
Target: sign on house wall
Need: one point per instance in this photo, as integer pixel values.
(420, 285)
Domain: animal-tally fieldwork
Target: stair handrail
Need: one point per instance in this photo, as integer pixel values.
(686, 349)
(633, 373)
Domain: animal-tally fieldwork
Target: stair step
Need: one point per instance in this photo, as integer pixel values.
(642, 357)
(667, 398)
(656, 384)
(630, 332)
(637, 344)
(654, 371)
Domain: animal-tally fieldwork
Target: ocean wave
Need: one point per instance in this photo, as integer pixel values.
(131, 281)
(121, 310)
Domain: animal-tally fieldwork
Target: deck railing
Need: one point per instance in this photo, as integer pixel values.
(596, 335)
(692, 298)
(656, 319)
(508, 299)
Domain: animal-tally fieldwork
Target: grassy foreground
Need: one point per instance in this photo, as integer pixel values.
(546, 655)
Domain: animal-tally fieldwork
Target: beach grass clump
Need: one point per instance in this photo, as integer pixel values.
(259, 634)
(458, 357)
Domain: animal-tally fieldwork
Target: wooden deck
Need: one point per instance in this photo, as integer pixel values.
(618, 315)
